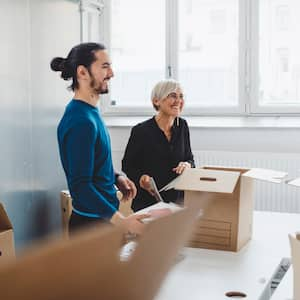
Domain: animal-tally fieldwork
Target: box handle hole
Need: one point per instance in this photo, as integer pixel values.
(208, 179)
(236, 295)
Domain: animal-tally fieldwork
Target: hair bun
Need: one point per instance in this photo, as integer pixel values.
(58, 64)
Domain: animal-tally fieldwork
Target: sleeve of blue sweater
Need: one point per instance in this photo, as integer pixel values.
(79, 146)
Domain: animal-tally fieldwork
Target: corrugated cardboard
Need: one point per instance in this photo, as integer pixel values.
(125, 206)
(88, 265)
(172, 207)
(7, 245)
(226, 195)
(295, 250)
(66, 209)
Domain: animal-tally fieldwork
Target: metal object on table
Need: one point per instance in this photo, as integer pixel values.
(154, 188)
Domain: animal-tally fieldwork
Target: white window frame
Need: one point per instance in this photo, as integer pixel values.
(248, 65)
(254, 107)
(222, 110)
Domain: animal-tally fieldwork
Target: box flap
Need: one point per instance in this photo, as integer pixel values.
(295, 181)
(295, 251)
(5, 223)
(49, 272)
(158, 206)
(266, 175)
(205, 180)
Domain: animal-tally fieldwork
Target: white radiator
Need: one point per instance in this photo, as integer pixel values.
(268, 196)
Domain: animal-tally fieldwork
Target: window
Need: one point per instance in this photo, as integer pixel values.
(208, 52)
(279, 59)
(90, 27)
(231, 56)
(137, 48)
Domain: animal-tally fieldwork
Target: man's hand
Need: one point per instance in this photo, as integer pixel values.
(126, 187)
(132, 224)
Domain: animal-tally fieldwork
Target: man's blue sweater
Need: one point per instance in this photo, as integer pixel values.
(85, 152)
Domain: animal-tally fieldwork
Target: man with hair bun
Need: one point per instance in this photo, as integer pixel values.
(84, 142)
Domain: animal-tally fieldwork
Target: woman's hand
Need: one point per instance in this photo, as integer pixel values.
(181, 167)
(145, 184)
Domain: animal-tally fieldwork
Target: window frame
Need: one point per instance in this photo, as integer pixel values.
(248, 66)
(254, 107)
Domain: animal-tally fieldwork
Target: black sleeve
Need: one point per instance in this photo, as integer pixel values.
(188, 151)
(132, 160)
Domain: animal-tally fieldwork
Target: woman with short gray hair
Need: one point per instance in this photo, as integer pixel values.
(159, 147)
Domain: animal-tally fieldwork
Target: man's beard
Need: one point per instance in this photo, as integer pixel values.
(98, 89)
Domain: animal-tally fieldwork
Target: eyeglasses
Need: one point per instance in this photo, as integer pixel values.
(174, 96)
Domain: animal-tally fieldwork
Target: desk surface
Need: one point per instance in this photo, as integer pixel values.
(285, 288)
(210, 274)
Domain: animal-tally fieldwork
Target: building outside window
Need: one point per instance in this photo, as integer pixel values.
(231, 56)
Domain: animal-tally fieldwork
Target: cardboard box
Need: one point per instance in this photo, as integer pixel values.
(295, 251)
(125, 206)
(227, 197)
(66, 209)
(7, 245)
(88, 265)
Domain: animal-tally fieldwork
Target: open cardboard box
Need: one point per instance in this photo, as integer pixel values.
(7, 245)
(88, 265)
(226, 196)
(152, 210)
(295, 251)
(294, 182)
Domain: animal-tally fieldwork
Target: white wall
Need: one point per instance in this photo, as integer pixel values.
(15, 113)
(32, 101)
(54, 30)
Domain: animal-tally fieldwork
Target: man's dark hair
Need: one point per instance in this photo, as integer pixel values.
(82, 54)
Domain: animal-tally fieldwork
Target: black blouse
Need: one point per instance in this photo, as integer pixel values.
(149, 152)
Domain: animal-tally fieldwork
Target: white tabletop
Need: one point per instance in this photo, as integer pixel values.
(285, 288)
(209, 274)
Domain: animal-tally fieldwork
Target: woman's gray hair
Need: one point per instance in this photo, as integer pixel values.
(162, 89)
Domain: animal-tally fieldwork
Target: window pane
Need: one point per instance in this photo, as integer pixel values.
(137, 50)
(208, 51)
(279, 48)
